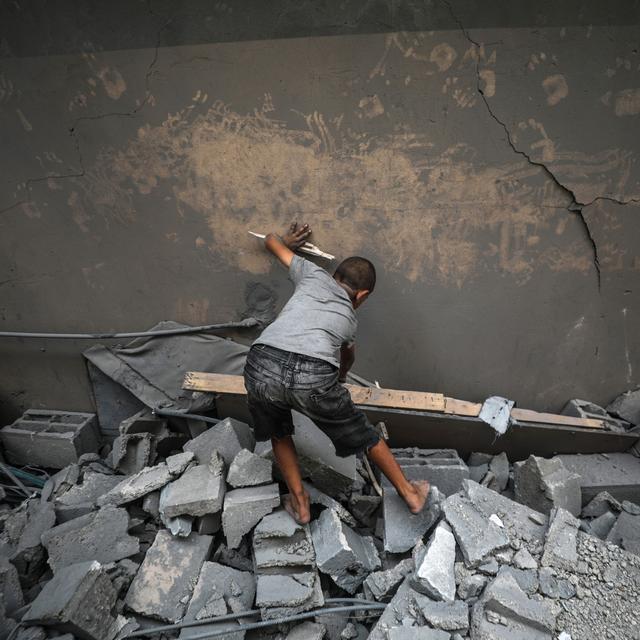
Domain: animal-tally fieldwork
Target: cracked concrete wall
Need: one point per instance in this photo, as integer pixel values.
(486, 159)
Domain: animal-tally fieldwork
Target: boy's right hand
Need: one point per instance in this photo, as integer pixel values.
(296, 236)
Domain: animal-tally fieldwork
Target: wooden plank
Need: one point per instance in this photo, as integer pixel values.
(462, 407)
(526, 415)
(369, 396)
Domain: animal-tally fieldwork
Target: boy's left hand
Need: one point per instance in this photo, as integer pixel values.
(296, 236)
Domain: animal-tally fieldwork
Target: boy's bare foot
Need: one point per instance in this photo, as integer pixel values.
(417, 498)
(298, 507)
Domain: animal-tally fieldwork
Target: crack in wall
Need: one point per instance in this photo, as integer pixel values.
(576, 207)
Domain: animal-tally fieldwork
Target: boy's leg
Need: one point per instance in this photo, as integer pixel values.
(286, 457)
(413, 493)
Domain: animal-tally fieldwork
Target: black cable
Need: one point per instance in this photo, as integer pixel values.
(179, 414)
(246, 323)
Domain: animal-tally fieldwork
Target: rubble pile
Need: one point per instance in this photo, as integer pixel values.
(168, 527)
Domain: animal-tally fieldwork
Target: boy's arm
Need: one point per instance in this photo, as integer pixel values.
(347, 358)
(283, 247)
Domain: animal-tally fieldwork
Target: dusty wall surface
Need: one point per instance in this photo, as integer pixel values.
(485, 158)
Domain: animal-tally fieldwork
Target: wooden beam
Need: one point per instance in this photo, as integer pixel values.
(393, 399)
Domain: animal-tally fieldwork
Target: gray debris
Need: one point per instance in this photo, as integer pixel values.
(100, 536)
(82, 498)
(342, 553)
(478, 472)
(244, 508)
(527, 579)
(248, 470)
(80, 599)
(448, 616)
(416, 633)
(163, 585)
(132, 452)
(524, 560)
(498, 473)
(220, 590)
(496, 412)
(196, 492)
(554, 587)
(471, 586)
(288, 593)
(602, 503)
(476, 534)
(560, 543)
(10, 589)
(228, 437)
(209, 524)
(317, 497)
(180, 526)
(381, 585)
(627, 406)
(585, 409)
(279, 541)
(151, 504)
(307, 631)
(136, 486)
(178, 463)
(543, 484)
(363, 508)
(489, 567)
(601, 526)
(434, 565)
(626, 532)
(402, 529)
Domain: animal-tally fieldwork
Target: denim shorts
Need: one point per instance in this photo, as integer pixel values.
(278, 381)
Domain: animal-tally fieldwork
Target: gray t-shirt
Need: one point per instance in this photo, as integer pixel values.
(318, 318)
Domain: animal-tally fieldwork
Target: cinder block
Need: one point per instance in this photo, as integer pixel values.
(78, 599)
(347, 557)
(244, 508)
(164, 583)
(51, 439)
(228, 438)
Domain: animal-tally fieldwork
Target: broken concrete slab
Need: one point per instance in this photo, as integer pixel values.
(602, 503)
(144, 421)
(601, 526)
(100, 536)
(363, 508)
(626, 532)
(402, 529)
(60, 482)
(249, 470)
(347, 557)
(447, 616)
(443, 468)
(163, 586)
(382, 585)
(416, 633)
(178, 463)
(471, 586)
(317, 497)
(561, 540)
(235, 558)
(477, 535)
(220, 590)
(244, 508)
(616, 473)
(10, 589)
(527, 579)
(307, 631)
(524, 560)
(585, 409)
(317, 458)
(279, 541)
(434, 562)
(136, 486)
(83, 498)
(543, 484)
(497, 473)
(553, 587)
(197, 492)
(285, 594)
(132, 452)
(50, 439)
(228, 437)
(78, 599)
(504, 612)
(627, 406)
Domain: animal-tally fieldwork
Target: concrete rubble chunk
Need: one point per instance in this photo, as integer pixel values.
(317, 497)
(347, 557)
(144, 422)
(498, 473)
(543, 484)
(100, 536)
(434, 574)
(136, 486)
(307, 631)
(178, 463)
(180, 526)
(78, 599)
(616, 473)
(626, 532)
(284, 594)
(381, 585)
(627, 406)
(82, 498)
(443, 468)
(403, 529)
(249, 469)
(228, 437)
(478, 473)
(476, 534)
(448, 616)
(197, 492)
(235, 558)
(416, 633)
(585, 409)
(527, 579)
(279, 541)
(560, 548)
(220, 590)
(554, 587)
(524, 560)
(363, 508)
(132, 453)
(10, 589)
(50, 439)
(164, 583)
(602, 525)
(317, 457)
(602, 503)
(505, 611)
(244, 508)
(471, 586)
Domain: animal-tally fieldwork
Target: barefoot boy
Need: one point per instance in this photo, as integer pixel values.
(293, 365)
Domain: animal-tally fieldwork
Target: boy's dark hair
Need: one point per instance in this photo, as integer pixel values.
(357, 273)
